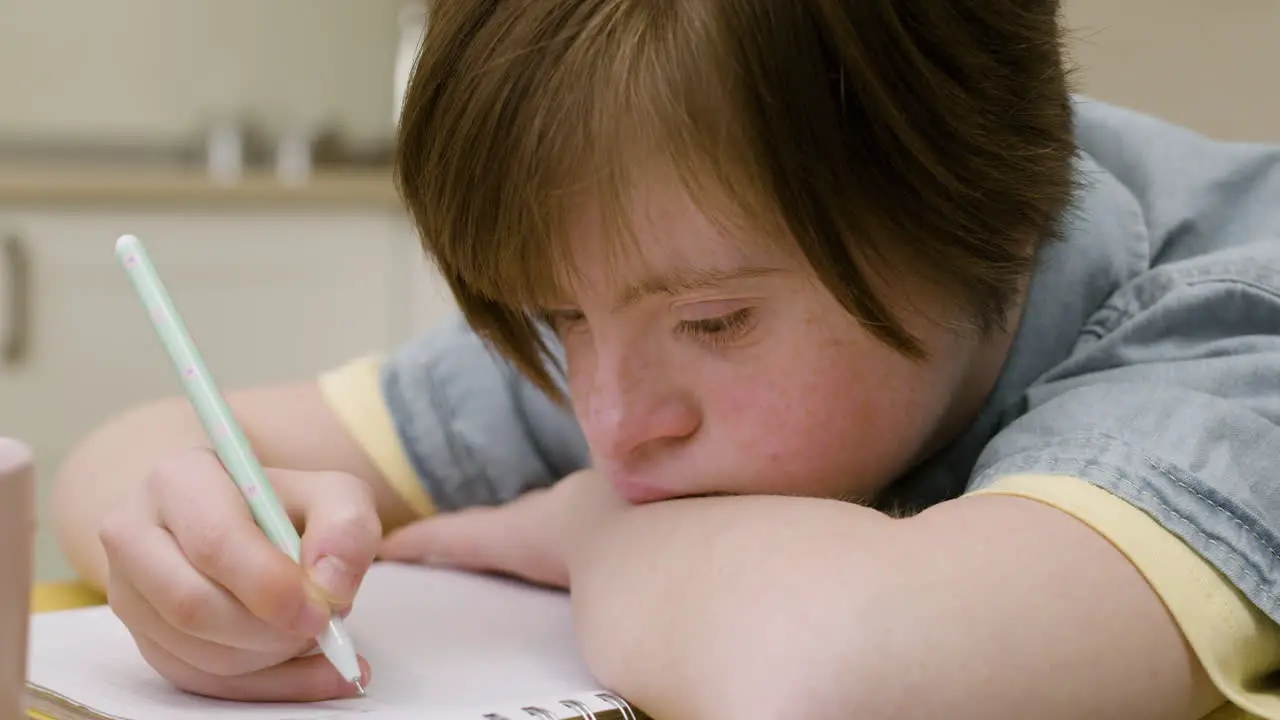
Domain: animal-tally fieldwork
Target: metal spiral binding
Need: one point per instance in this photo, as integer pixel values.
(581, 709)
(583, 712)
(619, 703)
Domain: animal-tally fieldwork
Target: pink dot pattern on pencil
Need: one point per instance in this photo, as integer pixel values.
(251, 492)
(159, 316)
(130, 260)
(189, 372)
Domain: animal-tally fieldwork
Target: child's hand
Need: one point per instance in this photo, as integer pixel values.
(217, 609)
(533, 537)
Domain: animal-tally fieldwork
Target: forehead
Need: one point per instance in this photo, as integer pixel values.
(659, 237)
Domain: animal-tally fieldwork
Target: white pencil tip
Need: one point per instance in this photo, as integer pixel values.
(359, 687)
(125, 241)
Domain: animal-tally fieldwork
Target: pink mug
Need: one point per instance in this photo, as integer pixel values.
(17, 551)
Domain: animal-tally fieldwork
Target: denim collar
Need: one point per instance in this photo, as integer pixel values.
(1103, 245)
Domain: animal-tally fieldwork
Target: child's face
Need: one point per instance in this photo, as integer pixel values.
(721, 366)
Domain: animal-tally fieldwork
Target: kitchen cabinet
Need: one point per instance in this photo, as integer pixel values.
(268, 294)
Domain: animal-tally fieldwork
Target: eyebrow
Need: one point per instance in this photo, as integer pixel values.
(676, 282)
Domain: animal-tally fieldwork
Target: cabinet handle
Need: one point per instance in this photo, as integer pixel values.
(17, 266)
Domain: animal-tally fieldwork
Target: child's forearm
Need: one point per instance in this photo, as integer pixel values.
(289, 425)
(759, 607)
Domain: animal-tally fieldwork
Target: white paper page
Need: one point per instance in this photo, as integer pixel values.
(441, 645)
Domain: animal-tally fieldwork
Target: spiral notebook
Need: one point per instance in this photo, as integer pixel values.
(443, 645)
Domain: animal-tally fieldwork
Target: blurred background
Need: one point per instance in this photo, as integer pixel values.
(246, 141)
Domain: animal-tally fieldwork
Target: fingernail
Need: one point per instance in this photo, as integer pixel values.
(334, 579)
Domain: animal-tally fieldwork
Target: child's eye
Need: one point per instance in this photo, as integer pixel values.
(722, 329)
(562, 321)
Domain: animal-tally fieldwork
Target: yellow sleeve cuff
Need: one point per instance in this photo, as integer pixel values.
(1236, 643)
(354, 394)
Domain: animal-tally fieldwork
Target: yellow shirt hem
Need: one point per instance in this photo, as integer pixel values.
(354, 394)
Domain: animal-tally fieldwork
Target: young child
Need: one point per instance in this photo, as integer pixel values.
(837, 357)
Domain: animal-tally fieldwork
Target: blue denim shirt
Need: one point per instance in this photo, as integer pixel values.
(1147, 361)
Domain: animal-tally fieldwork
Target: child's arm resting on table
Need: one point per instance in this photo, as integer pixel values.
(798, 607)
(765, 607)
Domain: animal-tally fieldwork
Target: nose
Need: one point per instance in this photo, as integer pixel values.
(633, 406)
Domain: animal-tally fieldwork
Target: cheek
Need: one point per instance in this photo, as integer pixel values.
(824, 425)
(580, 363)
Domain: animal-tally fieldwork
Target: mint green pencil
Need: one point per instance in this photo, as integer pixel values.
(228, 439)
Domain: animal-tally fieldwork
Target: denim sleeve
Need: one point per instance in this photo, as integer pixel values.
(474, 429)
(1198, 193)
(1171, 401)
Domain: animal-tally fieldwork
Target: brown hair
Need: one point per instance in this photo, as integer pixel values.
(930, 137)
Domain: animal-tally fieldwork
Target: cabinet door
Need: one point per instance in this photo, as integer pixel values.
(267, 297)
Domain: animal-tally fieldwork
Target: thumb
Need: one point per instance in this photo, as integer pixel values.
(341, 530)
(470, 539)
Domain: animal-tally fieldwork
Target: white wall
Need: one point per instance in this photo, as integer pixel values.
(160, 68)
(1210, 64)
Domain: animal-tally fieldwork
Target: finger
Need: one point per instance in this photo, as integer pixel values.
(211, 657)
(305, 679)
(212, 525)
(155, 585)
(473, 539)
(511, 539)
(342, 530)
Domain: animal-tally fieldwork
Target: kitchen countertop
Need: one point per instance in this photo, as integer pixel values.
(177, 188)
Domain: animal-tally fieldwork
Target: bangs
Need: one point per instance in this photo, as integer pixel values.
(599, 96)
(894, 146)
